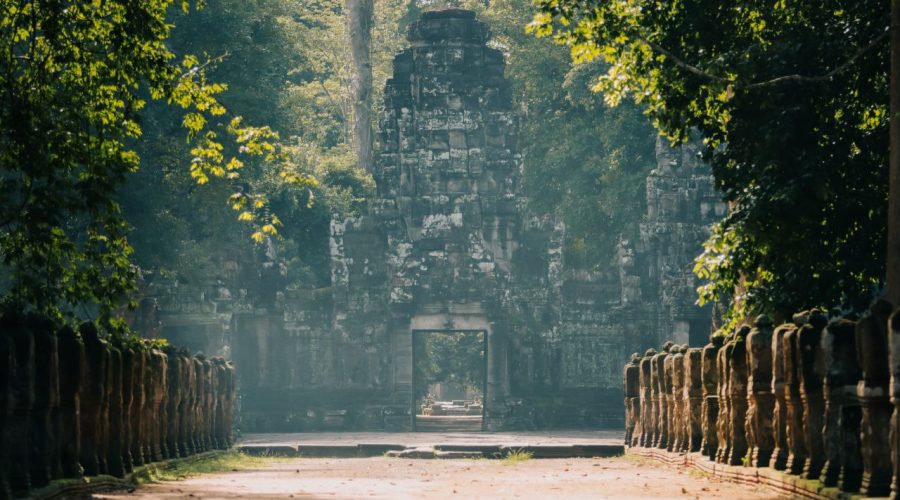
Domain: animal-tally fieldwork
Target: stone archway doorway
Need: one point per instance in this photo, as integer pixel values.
(449, 380)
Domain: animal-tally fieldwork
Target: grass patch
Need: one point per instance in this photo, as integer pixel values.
(179, 470)
(517, 457)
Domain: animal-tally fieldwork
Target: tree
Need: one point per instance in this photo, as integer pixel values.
(76, 77)
(790, 101)
(360, 14)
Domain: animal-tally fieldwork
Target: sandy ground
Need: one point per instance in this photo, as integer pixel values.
(624, 477)
(413, 439)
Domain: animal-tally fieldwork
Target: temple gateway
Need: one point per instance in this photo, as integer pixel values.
(447, 246)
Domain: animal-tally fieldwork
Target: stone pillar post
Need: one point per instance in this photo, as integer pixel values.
(722, 428)
(669, 397)
(843, 465)
(186, 447)
(779, 418)
(693, 398)
(17, 433)
(677, 391)
(710, 411)
(737, 388)
(794, 426)
(662, 414)
(138, 365)
(145, 421)
(44, 456)
(173, 401)
(810, 343)
(760, 399)
(128, 359)
(631, 381)
(894, 325)
(647, 424)
(114, 450)
(158, 371)
(231, 398)
(872, 390)
(7, 377)
(92, 396)
(221, 390)
(197, 401)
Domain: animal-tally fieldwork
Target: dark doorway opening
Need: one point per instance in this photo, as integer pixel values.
(449, 380)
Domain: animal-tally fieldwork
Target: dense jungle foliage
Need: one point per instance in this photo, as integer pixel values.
(104, 194)
(792, 100)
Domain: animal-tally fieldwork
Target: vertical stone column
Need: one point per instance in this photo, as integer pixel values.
(794, 404)
(710, 411)
(44, 446)
(843, 461)
(92, 395)
(894, 325)
(779, 417)
(809, 339)
(173, 401)
(128, 358)
(231, 398)
(197, 401)
(677, 391)
(648, 426)
(873, 393)
(668, 383)
(17, 433)
(187, 414)
(737, 390)
(158, 372)
(631, 382)
(760, 399)
(722, 428)
(114, 451)
(138, 365)
(693, 398)
(7, 377)
(221, 395)
(147, 381)
(662, 414)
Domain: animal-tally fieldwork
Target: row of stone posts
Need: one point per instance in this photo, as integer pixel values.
(76, 404)
(814, 397)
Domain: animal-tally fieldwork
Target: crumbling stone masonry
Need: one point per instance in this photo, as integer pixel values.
(836, 420)
(448, 244)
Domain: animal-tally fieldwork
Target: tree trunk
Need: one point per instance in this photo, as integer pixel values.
(360, 14)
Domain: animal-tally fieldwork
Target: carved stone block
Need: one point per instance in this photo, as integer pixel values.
(794, 404)
(843, 463)
(693, 399)
(92, 395)
(779, 417)
(710, 411)
(873, 392)
(631, 380)
(737, 391)
(809, 339)
(760, 399)
(44, 456)
(648, 426)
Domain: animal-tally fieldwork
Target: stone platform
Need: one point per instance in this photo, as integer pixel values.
(557, 444)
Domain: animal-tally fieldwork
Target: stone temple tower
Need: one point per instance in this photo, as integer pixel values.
(436, 251)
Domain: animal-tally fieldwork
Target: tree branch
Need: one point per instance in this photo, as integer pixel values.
(773, 81)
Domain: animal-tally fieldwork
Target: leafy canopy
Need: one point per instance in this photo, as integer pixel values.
(75, 77)
(790, 97)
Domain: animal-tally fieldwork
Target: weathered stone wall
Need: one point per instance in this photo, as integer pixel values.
(80, 404)
(447, 244)
(815, 398)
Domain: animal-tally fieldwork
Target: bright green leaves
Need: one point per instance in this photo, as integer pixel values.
(790, 103)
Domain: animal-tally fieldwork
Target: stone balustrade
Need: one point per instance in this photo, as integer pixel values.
(814, 398)
(80, 404)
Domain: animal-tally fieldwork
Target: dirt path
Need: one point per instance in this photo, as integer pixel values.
(464, 479)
